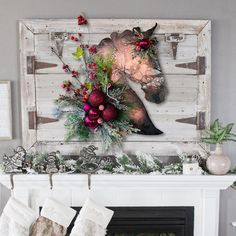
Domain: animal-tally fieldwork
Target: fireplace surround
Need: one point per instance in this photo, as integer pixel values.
(151, 191)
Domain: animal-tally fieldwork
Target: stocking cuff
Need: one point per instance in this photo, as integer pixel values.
(55, 211)
(20, 213)
(97, 214)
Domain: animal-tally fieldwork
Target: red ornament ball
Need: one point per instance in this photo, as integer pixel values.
(86, 107)
(93, 113)
(92, 124)
(109, 113)
(97, 98)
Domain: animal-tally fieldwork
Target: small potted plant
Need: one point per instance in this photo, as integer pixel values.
(218, 163)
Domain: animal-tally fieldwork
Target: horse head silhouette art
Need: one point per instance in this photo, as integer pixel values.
(145, 71)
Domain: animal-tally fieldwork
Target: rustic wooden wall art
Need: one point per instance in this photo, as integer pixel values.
(185, 59)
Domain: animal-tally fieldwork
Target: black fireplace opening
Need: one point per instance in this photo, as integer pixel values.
(150, 221)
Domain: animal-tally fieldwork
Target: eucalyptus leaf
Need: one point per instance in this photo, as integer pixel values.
(78, 53)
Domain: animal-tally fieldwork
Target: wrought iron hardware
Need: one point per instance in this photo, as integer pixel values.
(199, 65)
(174, 39)
(57, 39)
(33, 65)
(199, 120)
(34, 120)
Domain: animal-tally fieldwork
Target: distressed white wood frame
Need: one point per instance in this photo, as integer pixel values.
(9, 111)
(187, 83)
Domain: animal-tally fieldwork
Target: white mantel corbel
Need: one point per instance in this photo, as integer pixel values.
(201, 192)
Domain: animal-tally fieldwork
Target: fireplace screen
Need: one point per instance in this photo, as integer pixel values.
(150, 221)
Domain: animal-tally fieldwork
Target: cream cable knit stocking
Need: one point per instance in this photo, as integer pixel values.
(92, 220)
(16, 219)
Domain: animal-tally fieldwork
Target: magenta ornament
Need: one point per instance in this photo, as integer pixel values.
(86, 107)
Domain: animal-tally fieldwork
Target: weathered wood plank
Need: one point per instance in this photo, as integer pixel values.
(161, 149)
(108, 25)
(182, 97)
(56, 132)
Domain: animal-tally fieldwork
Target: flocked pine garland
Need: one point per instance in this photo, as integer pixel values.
(140, 163)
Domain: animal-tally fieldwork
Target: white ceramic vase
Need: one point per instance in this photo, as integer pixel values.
(218, 163)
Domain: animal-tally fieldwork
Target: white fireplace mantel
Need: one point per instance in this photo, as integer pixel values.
(70, 181)
(201, 192)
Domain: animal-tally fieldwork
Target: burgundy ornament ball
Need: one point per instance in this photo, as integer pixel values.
(92, 124)
(94, 113)
(109, 113)
(97, 98)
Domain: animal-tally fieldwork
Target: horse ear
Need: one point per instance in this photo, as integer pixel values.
(149, 33)
(136, 30)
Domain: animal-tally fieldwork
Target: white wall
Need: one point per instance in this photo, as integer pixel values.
(222, 13)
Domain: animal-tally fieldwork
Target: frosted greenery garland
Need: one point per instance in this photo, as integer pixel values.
(140, 163)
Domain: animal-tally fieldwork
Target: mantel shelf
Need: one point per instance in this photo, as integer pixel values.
(120, 181)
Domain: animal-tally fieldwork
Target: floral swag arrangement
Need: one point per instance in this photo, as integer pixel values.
(94, 105)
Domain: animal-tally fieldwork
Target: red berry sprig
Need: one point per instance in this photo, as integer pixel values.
(92, 67)
(76, 92)
(67, 85)
(74, 38)
(84, 46)
(65, 68)
(82, 20)
(74, 73)
(93, 50)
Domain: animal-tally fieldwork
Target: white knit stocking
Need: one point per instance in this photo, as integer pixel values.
(16, 219)
(92, 220)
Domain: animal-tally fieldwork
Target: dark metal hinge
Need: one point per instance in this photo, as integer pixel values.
(33, 65)
(199, 65)
(199, 120)
(57, 41)
(34, 120)
(174, 39)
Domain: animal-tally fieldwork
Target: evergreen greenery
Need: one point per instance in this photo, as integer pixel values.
(104, 68)
(140, 163)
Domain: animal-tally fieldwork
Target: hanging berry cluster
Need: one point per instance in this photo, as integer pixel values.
(144, 45)
(82, 20)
